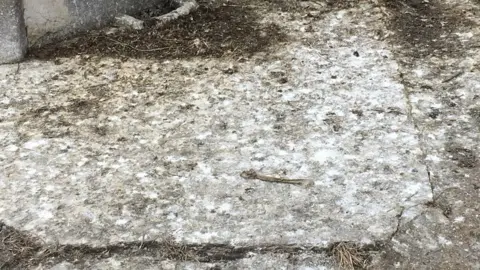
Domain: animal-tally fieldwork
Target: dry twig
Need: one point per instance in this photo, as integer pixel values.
(349, 255)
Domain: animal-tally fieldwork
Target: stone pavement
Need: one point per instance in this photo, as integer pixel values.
(135, 164)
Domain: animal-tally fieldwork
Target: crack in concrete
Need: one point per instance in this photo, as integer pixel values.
(399, 217)
(421, 137)
(399, 223)
(423, 148)
(429, 175)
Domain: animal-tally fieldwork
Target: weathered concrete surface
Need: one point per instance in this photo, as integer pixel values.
(13, 41)
(51, 19)
(450, 130)
(131, 153)
(104, 151)
(443, 90)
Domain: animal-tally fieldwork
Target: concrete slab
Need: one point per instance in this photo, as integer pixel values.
(113, 152)
(149, 154)
(450, 135)
(443, 90)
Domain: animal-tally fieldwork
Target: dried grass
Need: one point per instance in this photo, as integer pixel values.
(15, 246)
(350, 256)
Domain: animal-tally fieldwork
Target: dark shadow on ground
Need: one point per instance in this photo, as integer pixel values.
(211, 31)
(426, 28)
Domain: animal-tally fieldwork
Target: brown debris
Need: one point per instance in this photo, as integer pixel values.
(350, 255)
(211, 31)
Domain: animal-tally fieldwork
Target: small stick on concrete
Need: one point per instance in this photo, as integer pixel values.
(453, 77)
(251, 174)
(184, 7)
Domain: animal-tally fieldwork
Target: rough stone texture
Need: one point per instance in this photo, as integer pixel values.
(105, 151)
(443, 90)
(13, 42)
(130, 153)
(450, 134)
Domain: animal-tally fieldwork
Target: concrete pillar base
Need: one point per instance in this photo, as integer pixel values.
(13, 34)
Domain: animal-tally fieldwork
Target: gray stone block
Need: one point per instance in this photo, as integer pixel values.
(13, 36)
